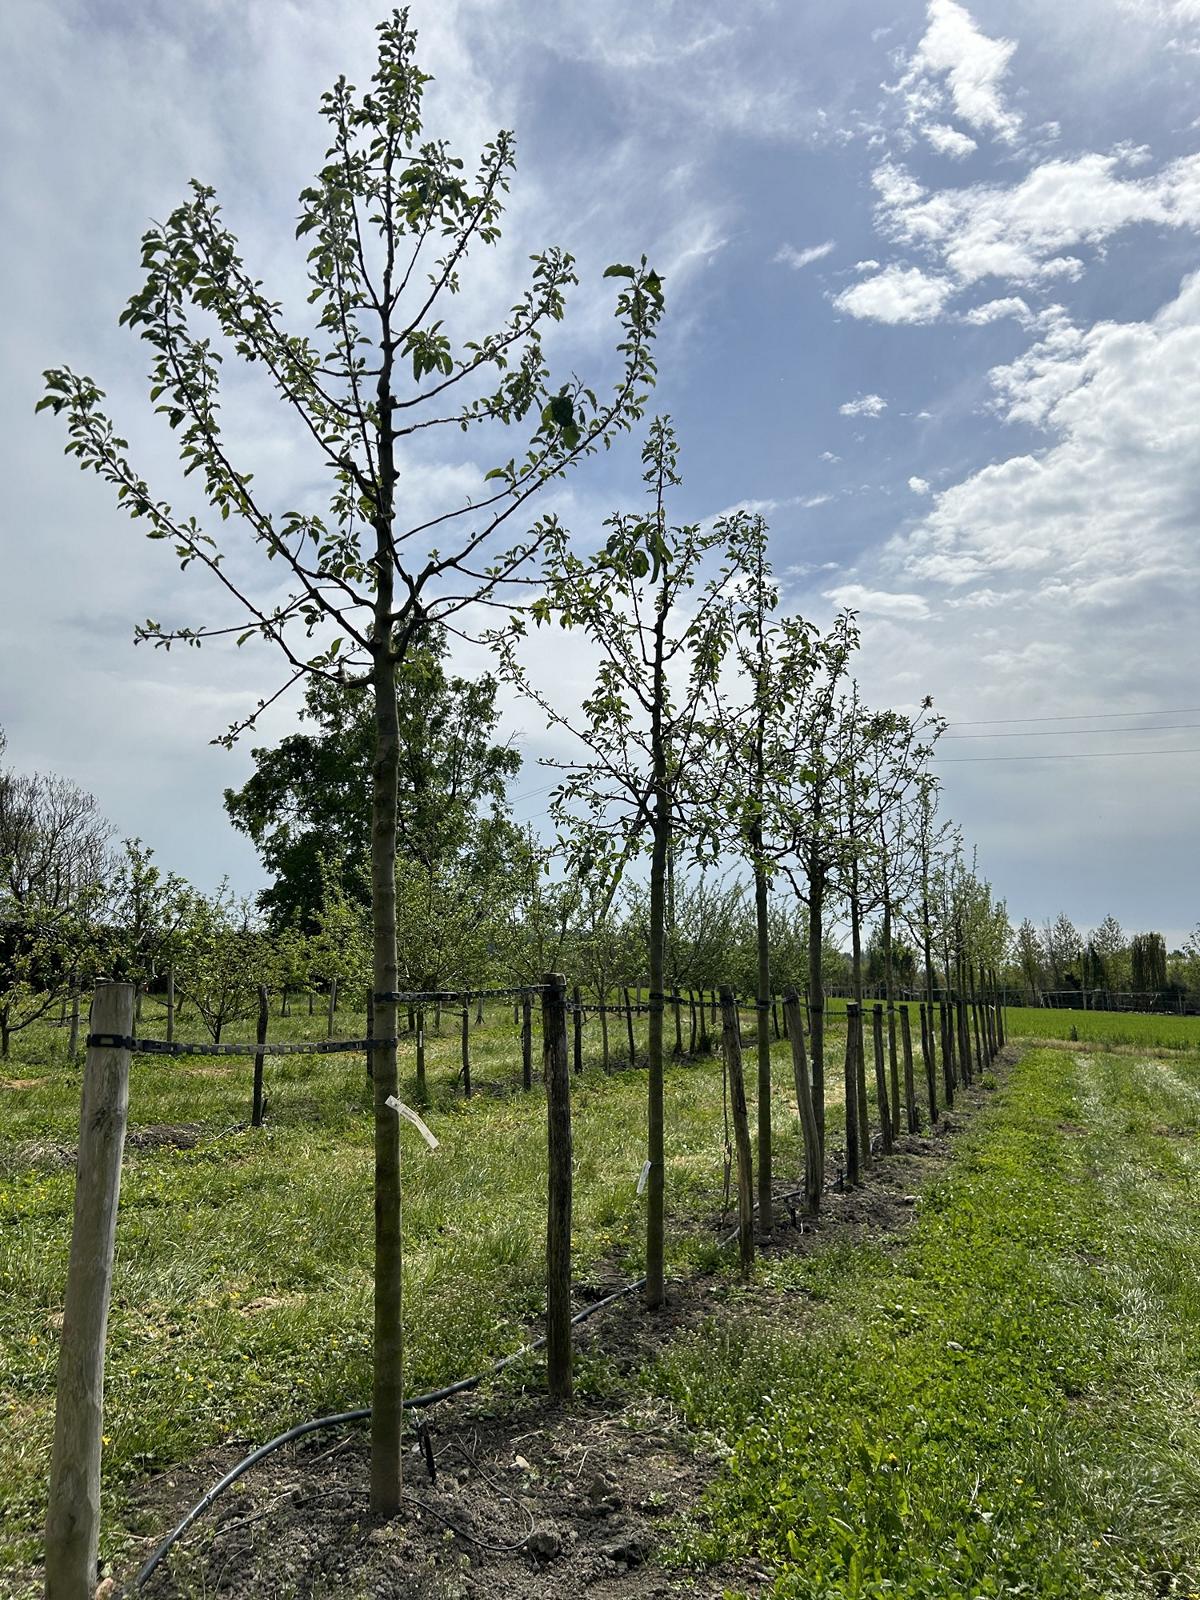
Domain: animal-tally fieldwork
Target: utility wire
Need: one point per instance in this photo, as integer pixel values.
(1073, 716)
(1055, 733)
(1068, 755)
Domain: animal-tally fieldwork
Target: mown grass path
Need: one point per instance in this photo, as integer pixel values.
(1008, 1404)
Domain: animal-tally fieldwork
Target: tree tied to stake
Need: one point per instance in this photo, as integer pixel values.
(390, 221)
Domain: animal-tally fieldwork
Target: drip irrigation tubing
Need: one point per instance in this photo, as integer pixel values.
(339, 1419)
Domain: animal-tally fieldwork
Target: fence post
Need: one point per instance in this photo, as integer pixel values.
(928, 1059)
(577, 1019)
(256, 1112)
(910, 1083)
(558, 1212)
(629, 1027)
(881, 1090)
(333, 988)
(421, 1048)
(526, 1041)
(73, 1042)
(73, 1512)
(370, 1029)
(731, 1043)
(813, 1176)
(466, 1049)
(947, 1052)
(893, 1065)
(850, 1080)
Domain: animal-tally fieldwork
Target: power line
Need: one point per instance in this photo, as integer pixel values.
(1056, 733)
(1073, 716)
(1068, 755)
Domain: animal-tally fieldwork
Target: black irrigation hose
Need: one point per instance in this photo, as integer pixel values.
(343, 1418)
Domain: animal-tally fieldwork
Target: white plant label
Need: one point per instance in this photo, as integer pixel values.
(643, 1178)
(410, 1115)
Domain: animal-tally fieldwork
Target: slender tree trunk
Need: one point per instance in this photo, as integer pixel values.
(881, 1088)
(816, 988)
(732, 1045)
(766, 1207)
(387, 1420)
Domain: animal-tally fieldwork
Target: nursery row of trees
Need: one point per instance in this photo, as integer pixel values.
(720, 731)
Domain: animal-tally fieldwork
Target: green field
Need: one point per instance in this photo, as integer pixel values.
(242, 1293)
(1008, 1405)
(1142, 1030)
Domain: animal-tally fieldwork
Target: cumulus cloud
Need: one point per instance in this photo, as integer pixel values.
(1107, 513)
(1019, 231)
(897, 294)
(995, 310)
(919, 485)
(878, 602)
(948, 141)
(956, 59)
(787, 255)
(866, 405)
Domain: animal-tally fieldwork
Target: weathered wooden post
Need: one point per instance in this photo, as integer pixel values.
(558, 1211)
(881, 1089)
(333, 989)
(813, 1175)
(927, 1058)
(731, 1043)
(947, 1053)
(526, 1042)
(466, 1050)
(421, 1048)
(256, 1110)
(850, 1082)
(893, 1066)
(73, 1512)
(910, 1081)
(629, 1026)
(73, 1041)
(775, 1014)
(370, 1029)
(577, 1021)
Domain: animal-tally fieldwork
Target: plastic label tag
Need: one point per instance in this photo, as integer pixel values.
(410, 1115)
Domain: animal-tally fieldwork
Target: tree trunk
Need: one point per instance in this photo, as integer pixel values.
(816, 991)
(387, 1417)
(558, 1217)
(732, 1045)
(656, 1187)
(256, 1110)
(804, 1103)
(881, 1088)
(766, 1207)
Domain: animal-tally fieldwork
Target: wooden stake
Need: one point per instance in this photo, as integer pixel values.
(256, 1111)
(813, 1175)
(910, 1082)
(881, 1090)
(526, 1042)
(850, 1081)
(333, 988)
(421, 1049)
(73, 1513)
(558, 1212)
(731, 1043)
(466, 1051)
(629, 1026)
(577, 1019)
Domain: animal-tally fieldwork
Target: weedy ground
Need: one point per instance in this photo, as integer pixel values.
(1004, 1400)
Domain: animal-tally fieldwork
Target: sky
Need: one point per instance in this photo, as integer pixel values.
(933, 308)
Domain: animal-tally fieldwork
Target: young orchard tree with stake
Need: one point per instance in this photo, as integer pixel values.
(803, 773)
(390, 220)
(662, 630)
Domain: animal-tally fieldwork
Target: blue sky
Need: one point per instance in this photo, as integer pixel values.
(932, 306)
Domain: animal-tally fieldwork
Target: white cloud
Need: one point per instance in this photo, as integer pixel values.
(955, 57)
(788, 256)
(828, 455)
(948, 141)
(1105, 518)
(897, 294)
(919, 485)
(1019, 231)
(994, 310)
(867, 405)
(878, 602)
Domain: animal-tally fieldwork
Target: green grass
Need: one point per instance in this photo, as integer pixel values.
(1142, 1030)
(242, 1291)
(1010, 1404)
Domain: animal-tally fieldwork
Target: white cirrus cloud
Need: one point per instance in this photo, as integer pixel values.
(788, 256)
(897, 294)
(866, 405)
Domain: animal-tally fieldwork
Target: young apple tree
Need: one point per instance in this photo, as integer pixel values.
(389, 222)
